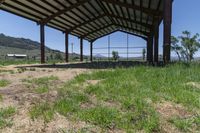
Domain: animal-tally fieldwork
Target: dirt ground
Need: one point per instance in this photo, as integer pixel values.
(18, 95)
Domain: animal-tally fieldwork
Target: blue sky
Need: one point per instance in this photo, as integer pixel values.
(186, 16)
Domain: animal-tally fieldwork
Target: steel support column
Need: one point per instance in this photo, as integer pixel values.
(167, 30)
(42, 43)
(109, 48)
(81, 49)
(66, 47)
(150, 49)
(156, 42)
(91, 51)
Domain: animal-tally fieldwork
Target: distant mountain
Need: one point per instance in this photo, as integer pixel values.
(12, 45)
(99, 56)
(21, 43)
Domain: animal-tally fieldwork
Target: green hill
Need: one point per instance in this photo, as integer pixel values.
(12, 45)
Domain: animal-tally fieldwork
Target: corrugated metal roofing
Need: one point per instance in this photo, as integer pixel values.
(90, 19)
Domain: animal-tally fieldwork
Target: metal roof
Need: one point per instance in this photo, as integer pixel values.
(90, 19)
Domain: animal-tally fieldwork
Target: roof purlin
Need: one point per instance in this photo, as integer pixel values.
(135, 7)
(46, 20)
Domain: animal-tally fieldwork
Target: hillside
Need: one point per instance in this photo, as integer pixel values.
(12, 45)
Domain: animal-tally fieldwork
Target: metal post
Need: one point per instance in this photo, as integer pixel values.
(156, 42)
(72, 44)
(91, 51)
(42, 43)
(109, 47)
(150, 49)
(81, 49)
(127, 47)
(66, 47)
(167, 30)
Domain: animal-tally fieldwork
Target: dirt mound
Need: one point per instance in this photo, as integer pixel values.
(169, 110)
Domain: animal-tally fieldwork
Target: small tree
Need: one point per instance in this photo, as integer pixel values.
(175, 47)
(51, 56)
(144, 53)
(187, 47)
(58, 56)
(115, 55)
(190, 44)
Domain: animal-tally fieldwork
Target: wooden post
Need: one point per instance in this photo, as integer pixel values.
(156, 42)
(91, 51)
(167, 30)
(42, 43)
(66, 47)
(81, 49)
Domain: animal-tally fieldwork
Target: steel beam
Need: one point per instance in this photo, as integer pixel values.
(2, 1)
(66, 47)
(133, 34)
(42, 43)
(167, 30)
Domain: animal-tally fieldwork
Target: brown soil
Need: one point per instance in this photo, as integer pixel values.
(168, 110)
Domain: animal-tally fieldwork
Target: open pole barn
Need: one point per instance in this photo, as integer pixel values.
(92, 19)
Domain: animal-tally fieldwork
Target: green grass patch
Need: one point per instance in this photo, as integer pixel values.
(7, 71)
(42, 110)
(103, 116)
(187, 124)
(4, 83)
(133, 92)
(65, 106)
(42, 89)
(41, 85)
(43, 80)
(5, 114)
(17, 62)
(1, 98)
(70, 103)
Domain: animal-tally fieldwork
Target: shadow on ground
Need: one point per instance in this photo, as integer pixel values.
(93, 65)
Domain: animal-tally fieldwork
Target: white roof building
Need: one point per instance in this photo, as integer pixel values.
(16, 55)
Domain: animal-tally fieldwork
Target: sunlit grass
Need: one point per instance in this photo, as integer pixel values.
(187, 124)
(41, 85)
(5, 114)
(4, 83)
(125, 98)
(44, 111)
(1, 98)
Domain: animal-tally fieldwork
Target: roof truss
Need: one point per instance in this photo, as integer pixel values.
(90, 19)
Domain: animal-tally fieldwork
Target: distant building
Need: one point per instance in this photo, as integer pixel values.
(17, 56)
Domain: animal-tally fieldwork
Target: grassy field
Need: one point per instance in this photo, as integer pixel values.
(141, 98)
(24, 61)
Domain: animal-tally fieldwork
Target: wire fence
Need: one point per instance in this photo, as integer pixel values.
(125, 53)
